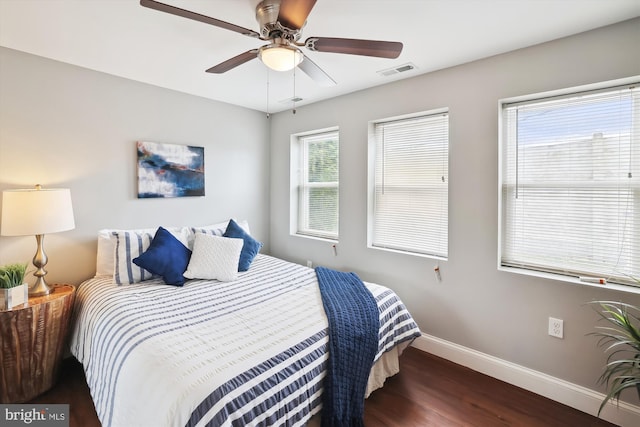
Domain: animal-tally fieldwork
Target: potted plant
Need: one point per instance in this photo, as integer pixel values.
(13, 290)
(621, 341)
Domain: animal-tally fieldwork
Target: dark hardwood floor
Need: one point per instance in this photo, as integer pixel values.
(428, 391)
(431, 391)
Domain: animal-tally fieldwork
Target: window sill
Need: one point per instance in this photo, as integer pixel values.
(321, 239)
(402, 252)
(572, 280)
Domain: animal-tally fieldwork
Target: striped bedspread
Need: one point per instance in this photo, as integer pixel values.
(248, 352)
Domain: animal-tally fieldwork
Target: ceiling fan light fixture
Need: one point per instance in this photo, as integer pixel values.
(280, 57)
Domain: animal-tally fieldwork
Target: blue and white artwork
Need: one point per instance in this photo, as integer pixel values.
(170, 170)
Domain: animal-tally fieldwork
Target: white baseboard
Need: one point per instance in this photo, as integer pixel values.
(575, 396)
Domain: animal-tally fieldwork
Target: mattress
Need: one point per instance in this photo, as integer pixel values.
(248, 352)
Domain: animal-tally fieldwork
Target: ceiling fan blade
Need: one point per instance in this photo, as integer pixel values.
(293, 13)
(316, 73)
(380, 49)
(234, 62)
(152, 4)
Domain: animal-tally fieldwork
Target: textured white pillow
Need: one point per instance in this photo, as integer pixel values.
(215, 258)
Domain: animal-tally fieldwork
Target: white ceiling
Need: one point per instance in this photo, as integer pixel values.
(122, 38)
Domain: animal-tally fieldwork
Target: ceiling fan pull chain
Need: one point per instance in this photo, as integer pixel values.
(268, 114)
(294, 90)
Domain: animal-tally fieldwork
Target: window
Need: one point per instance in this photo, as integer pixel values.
(570, 178)
(315, 176)
(408, 202)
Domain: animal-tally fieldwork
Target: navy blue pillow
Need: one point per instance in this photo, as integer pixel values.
(166, 257)
(250, 248)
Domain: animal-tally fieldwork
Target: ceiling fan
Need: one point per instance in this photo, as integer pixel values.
(281, 23)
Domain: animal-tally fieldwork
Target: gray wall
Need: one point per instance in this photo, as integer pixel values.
(65, 126)
(498, 313)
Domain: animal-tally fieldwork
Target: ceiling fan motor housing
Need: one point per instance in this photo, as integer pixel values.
(267, 12)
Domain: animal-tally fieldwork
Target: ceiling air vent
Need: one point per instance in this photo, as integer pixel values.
(397, 70)
(290, 100)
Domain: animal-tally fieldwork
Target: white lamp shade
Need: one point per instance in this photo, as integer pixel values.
(280, 58)
(36, 211)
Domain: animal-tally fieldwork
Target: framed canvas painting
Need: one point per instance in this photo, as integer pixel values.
(170, 170)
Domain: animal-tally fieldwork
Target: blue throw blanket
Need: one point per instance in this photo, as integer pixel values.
(354, 324)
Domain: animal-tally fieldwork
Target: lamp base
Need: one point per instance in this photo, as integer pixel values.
(40, 288)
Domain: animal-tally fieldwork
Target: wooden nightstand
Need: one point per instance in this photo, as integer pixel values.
(32, 342)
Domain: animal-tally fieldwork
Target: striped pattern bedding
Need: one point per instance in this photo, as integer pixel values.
(248, 352)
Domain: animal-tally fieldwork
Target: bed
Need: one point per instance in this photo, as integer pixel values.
(251, 351)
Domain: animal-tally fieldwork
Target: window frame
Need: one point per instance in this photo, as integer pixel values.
(299, 198)
(372, 174)
(547, 271)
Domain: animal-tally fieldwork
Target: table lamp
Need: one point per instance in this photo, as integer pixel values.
(37, 211)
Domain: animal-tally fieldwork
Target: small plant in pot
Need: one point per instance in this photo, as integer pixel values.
(621, 341)
(13, 290)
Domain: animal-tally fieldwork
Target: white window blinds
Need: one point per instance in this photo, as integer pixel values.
(571, 184)
(318, 189)
(410, 195)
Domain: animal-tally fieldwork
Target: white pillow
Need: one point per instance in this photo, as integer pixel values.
(104, 258)
(130, 244)
(214, 257)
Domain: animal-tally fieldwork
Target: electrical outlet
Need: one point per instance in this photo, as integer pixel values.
(309, 263)
(556, 327)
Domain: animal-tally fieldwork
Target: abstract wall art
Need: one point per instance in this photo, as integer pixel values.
(169, 170)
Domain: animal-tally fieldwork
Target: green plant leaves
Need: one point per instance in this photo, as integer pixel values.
(621, 342)
(12, 275)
